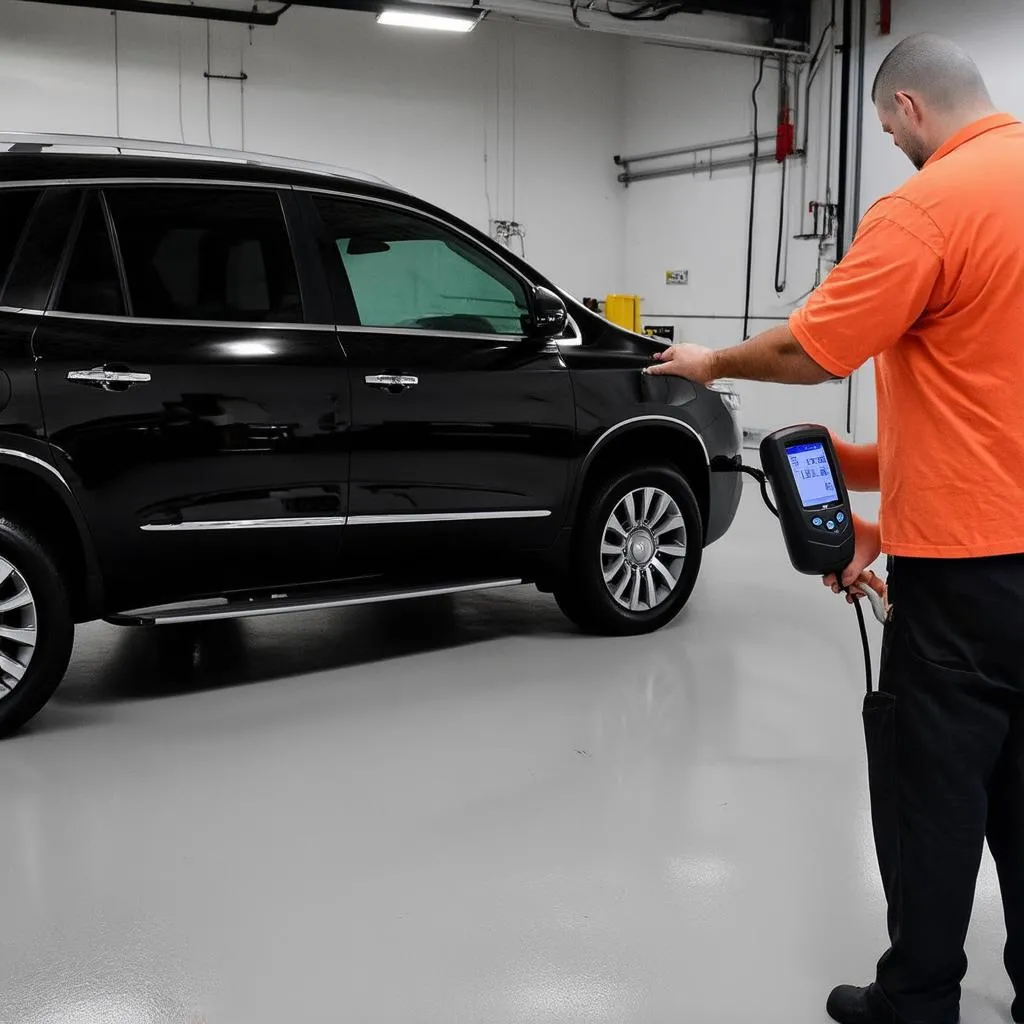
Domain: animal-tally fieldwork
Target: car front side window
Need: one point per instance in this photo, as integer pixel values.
(408, 272)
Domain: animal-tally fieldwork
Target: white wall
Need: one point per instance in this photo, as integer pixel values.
(425, 111)
(990, 31)
(699, 222)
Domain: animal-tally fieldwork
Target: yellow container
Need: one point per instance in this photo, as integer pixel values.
(623, 310)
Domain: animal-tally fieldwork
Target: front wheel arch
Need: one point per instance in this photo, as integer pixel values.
(663, 441)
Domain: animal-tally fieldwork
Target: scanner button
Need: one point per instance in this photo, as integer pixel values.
(840, 517)
(830, 525)
(816, 521)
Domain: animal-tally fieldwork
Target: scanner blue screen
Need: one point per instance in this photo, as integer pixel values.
(812, 473)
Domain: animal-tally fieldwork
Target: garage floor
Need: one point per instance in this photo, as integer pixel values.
(457, 811)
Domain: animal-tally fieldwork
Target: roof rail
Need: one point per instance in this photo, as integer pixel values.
(13, 142)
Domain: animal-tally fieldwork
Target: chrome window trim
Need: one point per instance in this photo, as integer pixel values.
(365, 520)
(22, 309)
(259, 325)
(39, 462)
(640, 419)
(156, 322)
(423, 332)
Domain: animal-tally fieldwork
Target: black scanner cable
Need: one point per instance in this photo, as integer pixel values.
(762, 479)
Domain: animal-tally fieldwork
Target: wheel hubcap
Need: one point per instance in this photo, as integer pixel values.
(17, 627)
(643, 549)
(640, 548)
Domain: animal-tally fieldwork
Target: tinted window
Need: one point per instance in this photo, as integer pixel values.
(91, 284)
(31, 276)
(15, 206)
(206, 254)
(405, 271)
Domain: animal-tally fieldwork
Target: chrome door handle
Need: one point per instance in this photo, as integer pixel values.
(109, 380)
(393, 381)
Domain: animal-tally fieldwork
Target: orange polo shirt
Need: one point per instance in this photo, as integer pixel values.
(933, 288)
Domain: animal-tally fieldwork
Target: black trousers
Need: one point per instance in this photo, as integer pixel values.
(945, 740)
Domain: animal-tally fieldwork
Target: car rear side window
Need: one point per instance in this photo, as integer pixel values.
(39, 254)
(16, 205)
(91, 282)
(410, 272)
(196, 253)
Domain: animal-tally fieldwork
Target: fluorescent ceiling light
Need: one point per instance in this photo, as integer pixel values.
(437, 22)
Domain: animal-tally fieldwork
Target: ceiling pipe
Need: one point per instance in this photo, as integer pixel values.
(266, 19)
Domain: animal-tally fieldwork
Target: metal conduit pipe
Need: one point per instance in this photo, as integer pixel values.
(743, 140)
(694, 168)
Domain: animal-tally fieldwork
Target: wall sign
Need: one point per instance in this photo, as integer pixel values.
(666, 331)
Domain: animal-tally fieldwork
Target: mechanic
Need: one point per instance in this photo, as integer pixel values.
(933, 288)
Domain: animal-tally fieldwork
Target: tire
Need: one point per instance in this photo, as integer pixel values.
(28, 569)
(674, 541)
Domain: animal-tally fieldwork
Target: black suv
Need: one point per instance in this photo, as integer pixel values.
(232, 387)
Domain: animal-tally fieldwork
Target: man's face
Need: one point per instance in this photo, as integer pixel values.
(902, 121)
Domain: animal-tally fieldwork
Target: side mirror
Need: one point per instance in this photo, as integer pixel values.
(548, 316)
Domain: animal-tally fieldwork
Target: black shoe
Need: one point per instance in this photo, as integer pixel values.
(850, 1005)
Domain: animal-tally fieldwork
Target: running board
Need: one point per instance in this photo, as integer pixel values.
(283, 603)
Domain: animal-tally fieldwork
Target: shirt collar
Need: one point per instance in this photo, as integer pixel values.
(971, 131)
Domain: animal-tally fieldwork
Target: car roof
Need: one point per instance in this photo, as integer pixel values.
(54, 157)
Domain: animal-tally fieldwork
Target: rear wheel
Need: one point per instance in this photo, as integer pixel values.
(36, 627)
(636, 553)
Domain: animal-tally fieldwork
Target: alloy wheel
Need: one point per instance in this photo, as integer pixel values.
(643, 549)
(17, 627)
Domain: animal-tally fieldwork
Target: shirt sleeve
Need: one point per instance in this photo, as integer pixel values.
(876, 291)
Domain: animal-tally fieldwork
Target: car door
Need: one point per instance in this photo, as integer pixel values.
(461, 426)
(202, 420)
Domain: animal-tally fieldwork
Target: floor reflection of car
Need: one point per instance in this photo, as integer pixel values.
(237, 387)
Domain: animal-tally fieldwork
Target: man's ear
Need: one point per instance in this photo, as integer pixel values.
(909, 106)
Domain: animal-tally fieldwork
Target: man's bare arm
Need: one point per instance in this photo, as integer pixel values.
(775, 355)
(859, 463)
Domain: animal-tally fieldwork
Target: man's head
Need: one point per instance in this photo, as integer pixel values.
(926, 90)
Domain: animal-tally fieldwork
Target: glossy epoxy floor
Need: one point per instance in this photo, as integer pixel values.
(457, 811)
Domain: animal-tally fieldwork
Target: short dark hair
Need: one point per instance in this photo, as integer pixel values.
(933, 67)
